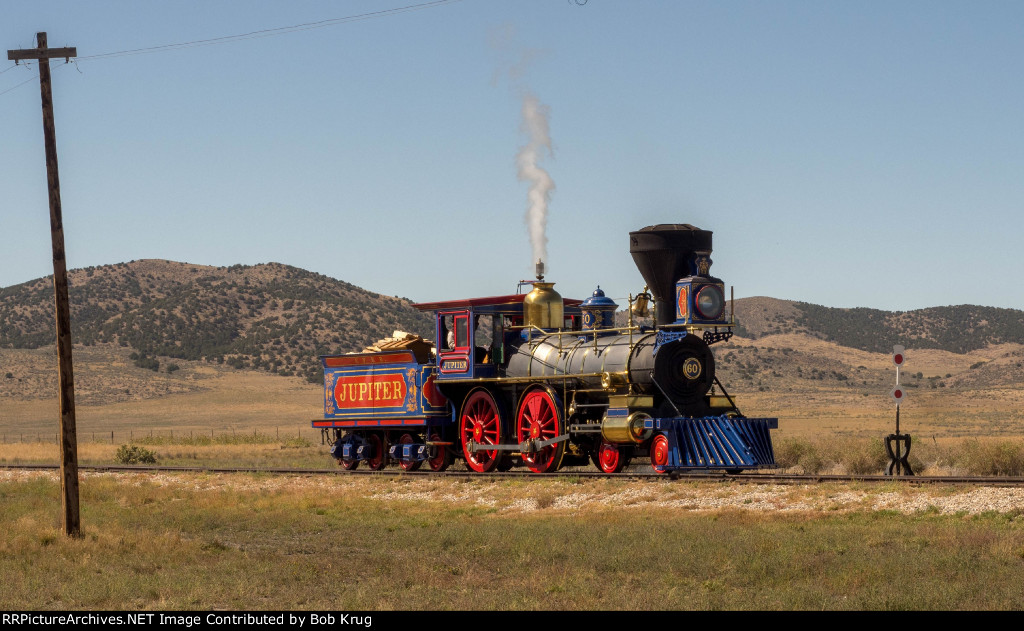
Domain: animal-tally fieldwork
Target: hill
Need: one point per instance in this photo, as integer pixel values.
(269, 317)
(957, 329)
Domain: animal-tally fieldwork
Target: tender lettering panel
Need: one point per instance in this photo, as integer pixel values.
(361, 391)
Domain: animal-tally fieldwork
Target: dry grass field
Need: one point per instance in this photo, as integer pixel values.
(111, 394)
(246, 541)
(343, 543)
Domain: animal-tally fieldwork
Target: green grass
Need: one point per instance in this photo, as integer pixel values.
(258, 543)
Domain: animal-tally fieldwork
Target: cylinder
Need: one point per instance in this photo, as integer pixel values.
(625, 429)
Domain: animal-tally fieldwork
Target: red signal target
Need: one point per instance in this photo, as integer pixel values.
(898, 394)
(898, 355)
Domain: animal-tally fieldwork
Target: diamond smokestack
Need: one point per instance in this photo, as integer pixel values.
(663, 254)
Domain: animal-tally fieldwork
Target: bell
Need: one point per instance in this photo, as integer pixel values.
(640, 305)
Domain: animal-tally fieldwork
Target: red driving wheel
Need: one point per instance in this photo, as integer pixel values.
(539, 419)
(480, 421)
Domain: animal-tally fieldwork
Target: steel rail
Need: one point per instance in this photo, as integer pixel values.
(750, 477)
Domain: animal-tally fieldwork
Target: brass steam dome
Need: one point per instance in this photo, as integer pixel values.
(543, 307)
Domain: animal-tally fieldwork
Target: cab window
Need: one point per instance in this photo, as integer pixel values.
(461, 331)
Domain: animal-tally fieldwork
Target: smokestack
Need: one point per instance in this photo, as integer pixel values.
(663, 254)
(535, 124)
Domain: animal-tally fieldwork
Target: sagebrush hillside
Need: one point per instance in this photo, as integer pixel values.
(271, 317)
(957, 329)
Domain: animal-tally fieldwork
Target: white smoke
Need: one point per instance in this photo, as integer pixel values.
(535, 124)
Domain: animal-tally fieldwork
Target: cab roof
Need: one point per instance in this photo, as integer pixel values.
(512, 303)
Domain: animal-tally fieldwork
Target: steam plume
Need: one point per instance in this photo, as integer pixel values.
(535, 124)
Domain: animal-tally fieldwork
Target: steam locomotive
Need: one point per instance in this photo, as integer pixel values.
(543, 381)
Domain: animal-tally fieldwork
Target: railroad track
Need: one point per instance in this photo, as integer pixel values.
(749, 477)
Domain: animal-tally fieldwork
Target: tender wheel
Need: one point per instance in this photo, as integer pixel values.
(659, 451)
(347, 464)
(612, 458)
(443, 459)
(378, 459)
(410, 464)
(539, 419)
(480, 421)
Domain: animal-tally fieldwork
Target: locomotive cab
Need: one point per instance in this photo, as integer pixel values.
(474, 336)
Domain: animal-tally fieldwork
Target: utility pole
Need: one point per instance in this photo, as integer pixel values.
(69, 440)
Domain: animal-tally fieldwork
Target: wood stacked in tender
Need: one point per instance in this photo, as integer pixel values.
(401, 340)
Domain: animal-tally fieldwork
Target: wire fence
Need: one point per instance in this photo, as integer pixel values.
(169, 436)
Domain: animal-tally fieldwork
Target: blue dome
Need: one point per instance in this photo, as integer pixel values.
(599, 301)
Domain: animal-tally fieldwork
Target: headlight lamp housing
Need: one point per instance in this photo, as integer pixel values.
(709, 302)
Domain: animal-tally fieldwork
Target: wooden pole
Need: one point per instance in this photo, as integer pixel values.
(69, 441)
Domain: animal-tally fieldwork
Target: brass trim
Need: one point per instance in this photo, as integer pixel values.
(564, 377)
(720, 401)
(631, 401)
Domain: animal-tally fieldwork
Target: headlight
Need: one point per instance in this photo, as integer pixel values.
(710, 302)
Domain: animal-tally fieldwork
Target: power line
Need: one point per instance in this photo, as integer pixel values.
(270, 31)
(32, 78)
(227, 39)
(29, 80)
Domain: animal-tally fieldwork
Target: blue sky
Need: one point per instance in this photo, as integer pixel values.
(844, 153)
